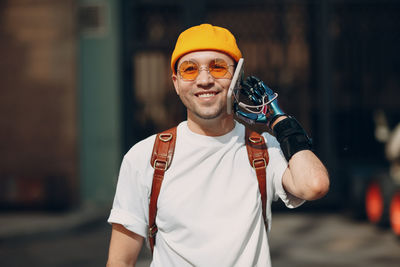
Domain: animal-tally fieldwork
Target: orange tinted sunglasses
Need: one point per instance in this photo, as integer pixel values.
(218, 68)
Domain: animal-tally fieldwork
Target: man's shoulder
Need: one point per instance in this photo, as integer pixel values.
(141, 150)
(270, 140)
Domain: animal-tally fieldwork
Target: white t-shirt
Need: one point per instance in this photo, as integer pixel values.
(209, 207)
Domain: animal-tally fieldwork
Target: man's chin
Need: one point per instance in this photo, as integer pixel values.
(209, 115)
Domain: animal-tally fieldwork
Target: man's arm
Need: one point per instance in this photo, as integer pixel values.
(124, 247)
(306, 177)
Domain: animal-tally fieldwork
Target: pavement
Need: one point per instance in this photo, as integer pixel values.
(80, 238)
(330, 240)
(30, 224)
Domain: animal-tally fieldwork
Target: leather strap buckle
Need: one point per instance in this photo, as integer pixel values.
(163, 163)
(165, 137)
(259, 160)
(255, 140)
(153, 231)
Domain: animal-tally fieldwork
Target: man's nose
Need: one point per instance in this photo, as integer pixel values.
(204, 78)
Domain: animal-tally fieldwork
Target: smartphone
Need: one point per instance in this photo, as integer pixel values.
(235, 85)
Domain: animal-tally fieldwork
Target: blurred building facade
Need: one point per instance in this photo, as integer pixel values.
(82, 81)
(59, 100)
(38, 100)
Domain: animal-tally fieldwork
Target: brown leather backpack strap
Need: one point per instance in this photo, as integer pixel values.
(161, 158)
(258, 157)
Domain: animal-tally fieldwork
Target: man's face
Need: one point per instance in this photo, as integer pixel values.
(205, 96)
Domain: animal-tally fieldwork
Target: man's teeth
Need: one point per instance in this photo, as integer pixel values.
(207, 95)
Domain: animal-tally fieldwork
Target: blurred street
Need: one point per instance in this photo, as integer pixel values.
(297, 239)
(330, 240)
(83, 81)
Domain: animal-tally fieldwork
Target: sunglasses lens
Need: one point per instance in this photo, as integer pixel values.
(219, 69)
(189, 70)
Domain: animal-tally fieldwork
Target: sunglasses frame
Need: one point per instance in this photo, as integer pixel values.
(206, 68)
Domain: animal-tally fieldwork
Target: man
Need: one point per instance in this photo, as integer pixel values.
(209, 210)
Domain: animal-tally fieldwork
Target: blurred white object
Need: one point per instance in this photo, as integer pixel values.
(393, 144)
(382, 131)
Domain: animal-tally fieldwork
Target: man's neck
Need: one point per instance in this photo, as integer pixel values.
(212, 127)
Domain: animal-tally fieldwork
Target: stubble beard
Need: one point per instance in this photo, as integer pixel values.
(208, 116)
(203, 112)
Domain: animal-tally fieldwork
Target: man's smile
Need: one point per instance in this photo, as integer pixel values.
(206, 94)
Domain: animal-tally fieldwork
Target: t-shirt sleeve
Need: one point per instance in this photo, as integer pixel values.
(276, 167)
(129, 206)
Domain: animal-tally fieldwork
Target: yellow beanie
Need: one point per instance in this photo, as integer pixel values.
(205, 37)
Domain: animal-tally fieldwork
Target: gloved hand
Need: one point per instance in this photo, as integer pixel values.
(264, 98)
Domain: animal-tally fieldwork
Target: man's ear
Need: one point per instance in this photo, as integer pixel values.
(175, 81)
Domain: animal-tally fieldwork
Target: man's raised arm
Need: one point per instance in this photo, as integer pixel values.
(306, 177)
